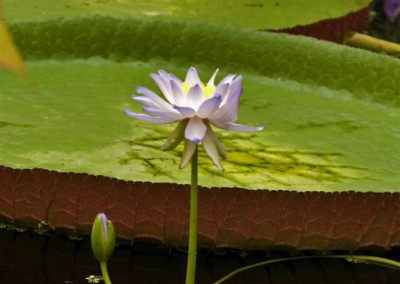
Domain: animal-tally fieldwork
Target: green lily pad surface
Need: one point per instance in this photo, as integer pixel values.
(261, 14)
(331, 112)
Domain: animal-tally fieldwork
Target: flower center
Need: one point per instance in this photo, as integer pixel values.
(207, 89)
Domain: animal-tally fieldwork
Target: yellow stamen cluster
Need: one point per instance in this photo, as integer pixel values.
(208, 90)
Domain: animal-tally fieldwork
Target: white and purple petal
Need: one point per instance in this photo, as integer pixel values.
(164, 86)
(163, 113)
(227, 80)
(173, 77)
(154, 97)
(187, 112)
(144, 101)
(152, 119)
(211, 148)
(233, 89)
(212, 79)
(209, 106)
(222, 89)
(237, 127)
(178, 93)
(221, 149)
(164, 74)
(192, 77)
(195, 130)
(228, 112)
(195, 97)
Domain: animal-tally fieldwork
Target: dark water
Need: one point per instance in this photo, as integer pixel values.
(30, 258)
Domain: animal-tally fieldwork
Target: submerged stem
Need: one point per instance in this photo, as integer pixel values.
(352, 258)
(192, 253)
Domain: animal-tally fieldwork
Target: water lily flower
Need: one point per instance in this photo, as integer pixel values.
(196, 106)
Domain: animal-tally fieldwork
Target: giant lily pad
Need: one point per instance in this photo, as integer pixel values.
(331, 111)
(261, 14)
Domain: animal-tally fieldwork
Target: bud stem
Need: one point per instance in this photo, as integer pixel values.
(192, 254)
(104, 272)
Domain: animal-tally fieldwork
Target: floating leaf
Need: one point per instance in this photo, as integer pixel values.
(331, 111)
(261, 14)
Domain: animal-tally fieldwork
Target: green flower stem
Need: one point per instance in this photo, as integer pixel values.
(352, 258)
(106, 278)
(192, 254)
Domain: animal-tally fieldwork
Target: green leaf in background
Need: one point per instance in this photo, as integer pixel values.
(260, 14)
(331, 112)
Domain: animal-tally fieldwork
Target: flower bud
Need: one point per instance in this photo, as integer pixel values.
(103, 237)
